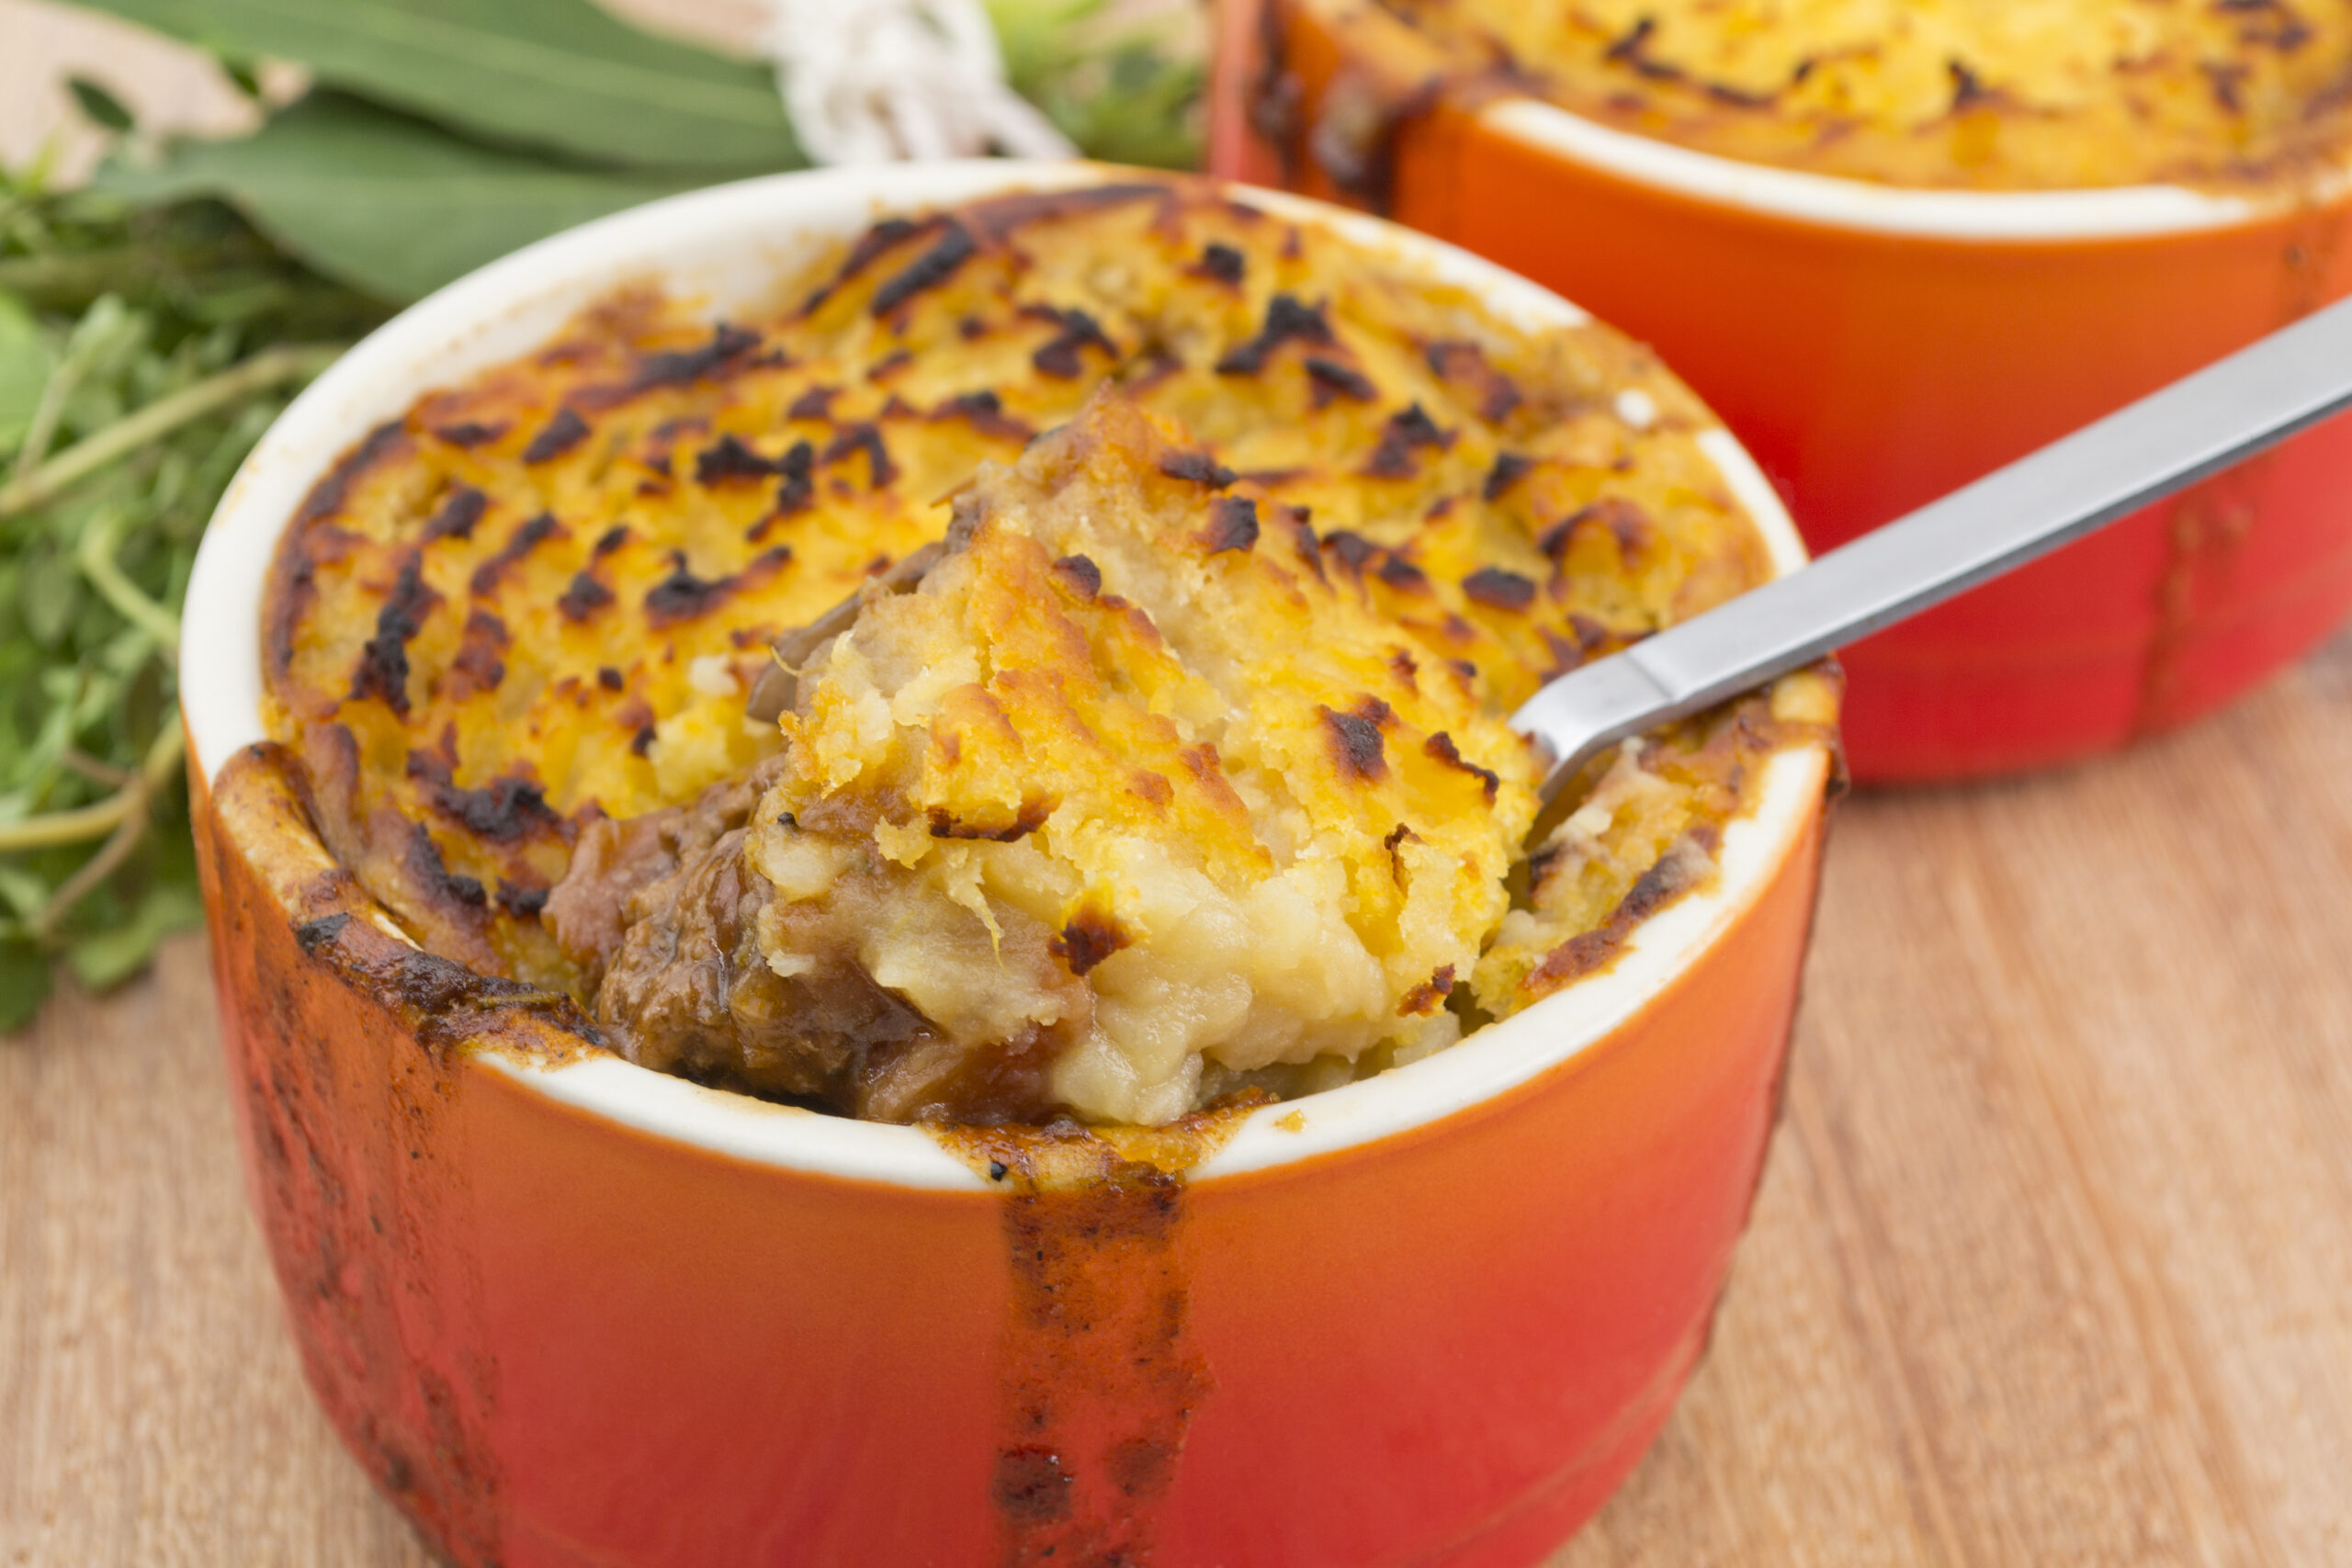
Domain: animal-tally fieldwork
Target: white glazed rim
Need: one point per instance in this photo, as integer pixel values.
(2116, 212)
(731, 244)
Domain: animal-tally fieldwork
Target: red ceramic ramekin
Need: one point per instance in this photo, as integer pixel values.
(569, 1312)
(1876, 348)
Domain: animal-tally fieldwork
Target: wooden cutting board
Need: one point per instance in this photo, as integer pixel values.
(2052, 1263)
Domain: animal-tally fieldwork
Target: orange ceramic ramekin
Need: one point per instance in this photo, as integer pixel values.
(569, 1312)
(1876, 348)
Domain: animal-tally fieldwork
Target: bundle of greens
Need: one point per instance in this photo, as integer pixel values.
(152, 325)
(141, 354)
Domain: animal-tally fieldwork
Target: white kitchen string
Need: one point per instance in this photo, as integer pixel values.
(885, 81)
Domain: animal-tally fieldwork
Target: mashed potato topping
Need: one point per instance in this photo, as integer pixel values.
(1182, 771)
(1995, 94)
(1136, 782)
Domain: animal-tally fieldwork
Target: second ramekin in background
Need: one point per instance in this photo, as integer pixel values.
(1875, 348)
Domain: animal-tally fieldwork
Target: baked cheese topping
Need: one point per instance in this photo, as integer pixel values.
(1981, 94)
(1183, 773)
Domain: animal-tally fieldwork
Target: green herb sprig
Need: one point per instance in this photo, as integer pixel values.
(142, 351)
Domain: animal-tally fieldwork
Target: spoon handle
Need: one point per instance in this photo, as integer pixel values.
(2195, 427)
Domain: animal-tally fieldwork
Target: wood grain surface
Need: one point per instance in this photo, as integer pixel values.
(2053, 1262)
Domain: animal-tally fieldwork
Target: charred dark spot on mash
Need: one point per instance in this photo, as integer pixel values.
(1288, 320)
(984, 410)
(523, 902)
(927, 271)
(526, 538)
(1220, 263)
(1398, 835)
(329, 495)
(945, 824)
(1590, 637)
(558, 435)
(865, 438)
(1197, 467)
(456, 516)
(582, 597)
(1063, 356)
(2288, 32)
(1628, 48)
(1499, 589)
(1624, 522)
(1329, 378)
(1402, 575)
(1441, 746)
(1233, 524)
(1686, 863)
(1081, 574)
(502, 811)
(471, 433)
(1353, 550)
(433, 876)
(1406, 433)
(871, 247)
(1579, 955)
(815, 403)
(2224, 83)
(683, 596)
(998, 216)
(1091, 937)
(611, 539)
(479, 665)
(610, 678)
(727, 460)
(1356, 745)
(382, 672)
(1508, 470)
(1968, 89)
(795, 494)
(1466, 364)
(1425, 997)
(682, 367)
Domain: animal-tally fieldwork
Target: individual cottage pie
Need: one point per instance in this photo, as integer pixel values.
(2051, 95)
(1151, 577)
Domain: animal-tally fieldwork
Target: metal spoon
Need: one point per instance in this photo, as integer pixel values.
(2196, 426)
